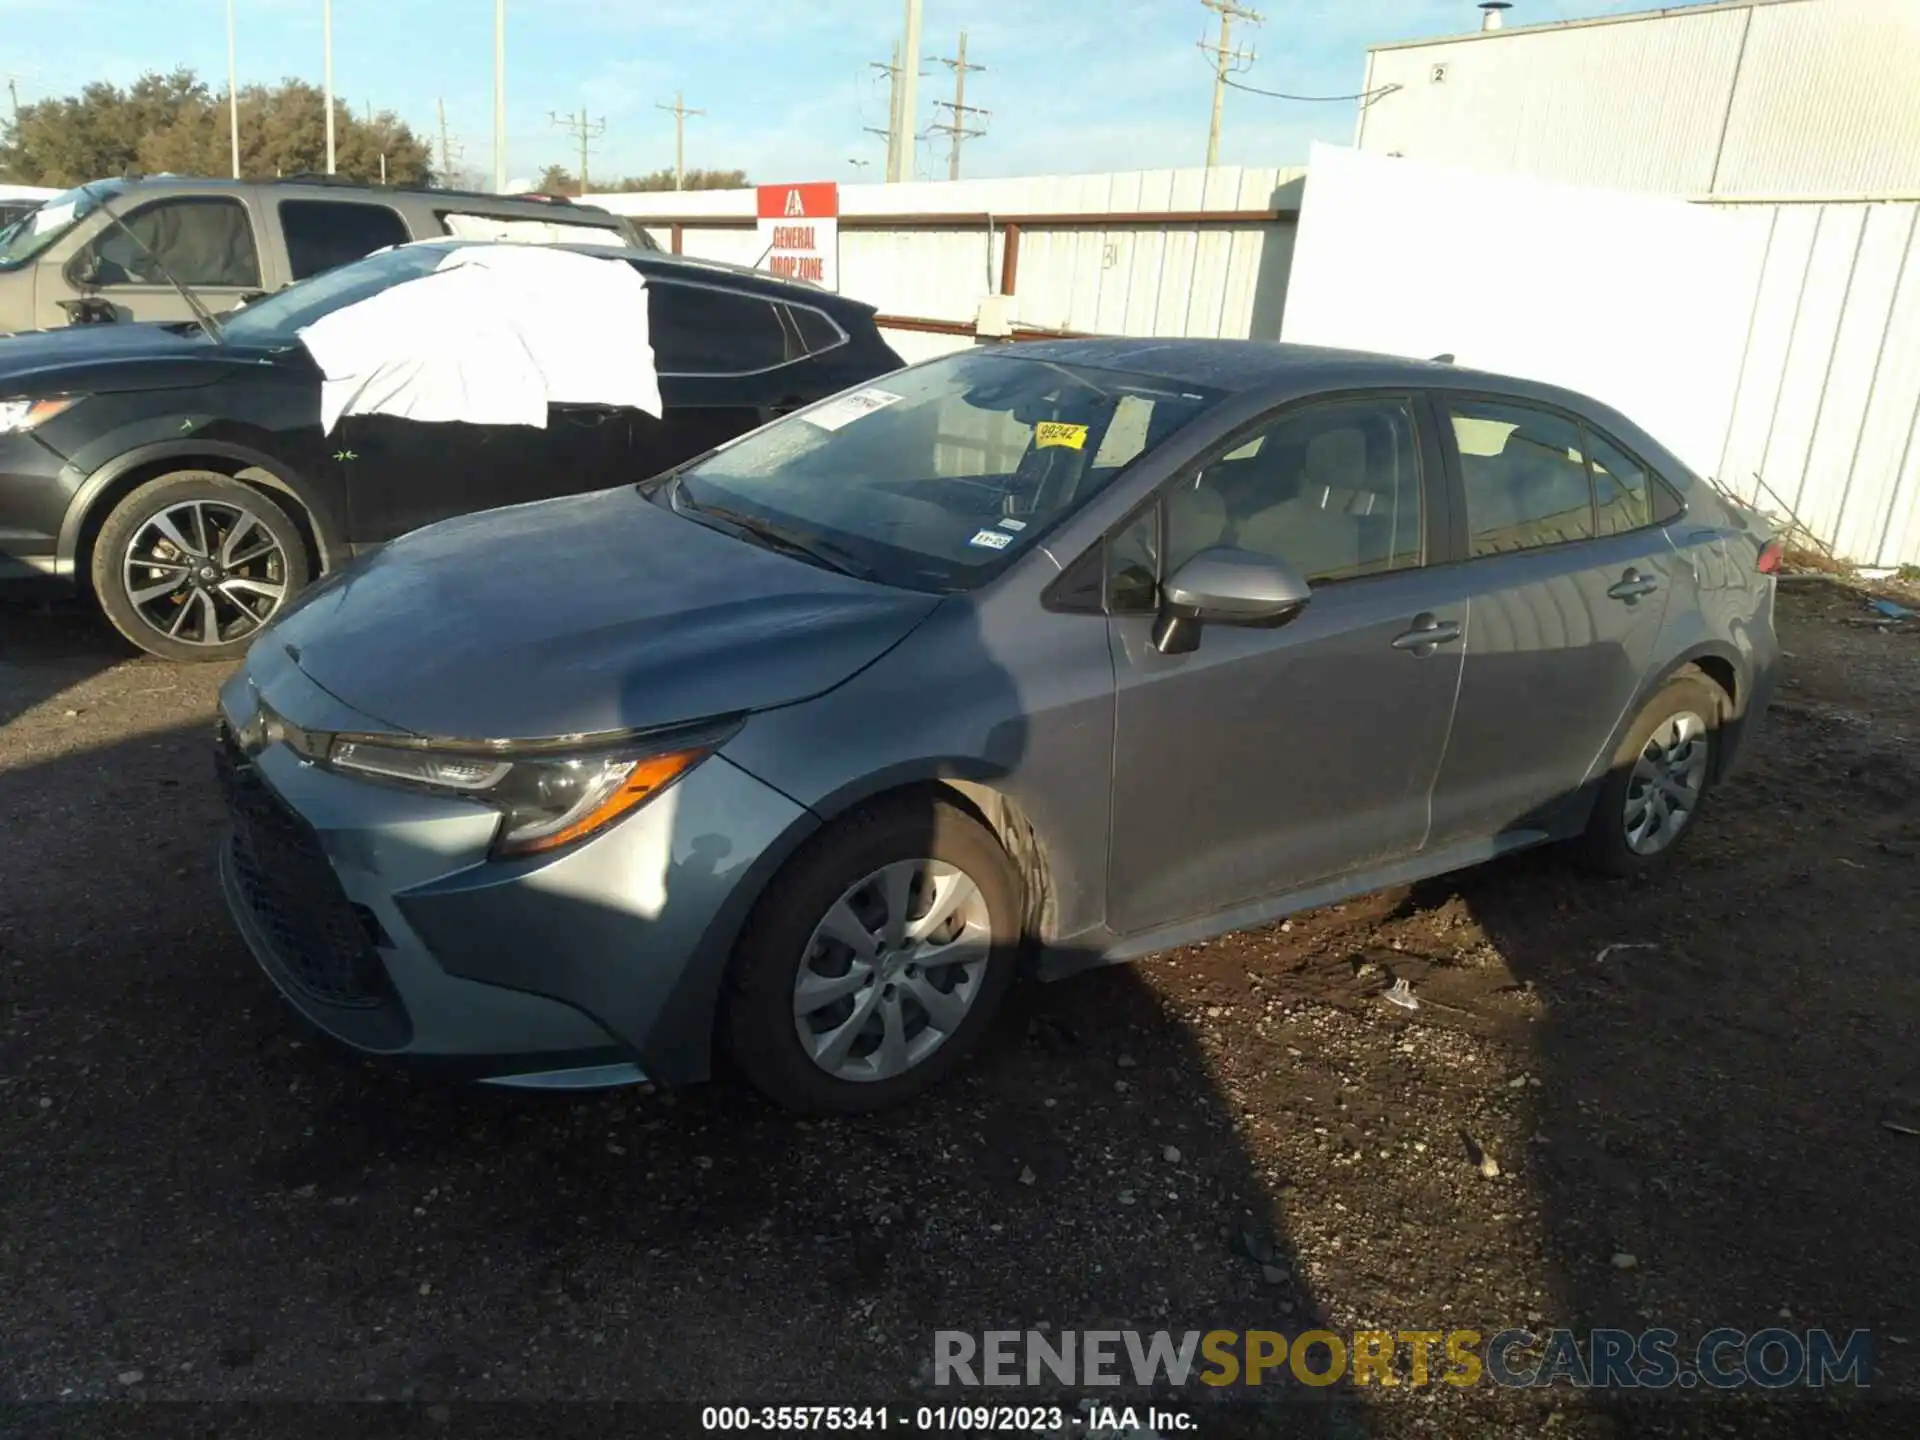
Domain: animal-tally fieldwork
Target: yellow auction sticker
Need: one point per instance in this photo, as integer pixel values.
(1049, 434)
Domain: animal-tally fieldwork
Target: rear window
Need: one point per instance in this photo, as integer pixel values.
(817, 332)
(560, 228)
(702, 330)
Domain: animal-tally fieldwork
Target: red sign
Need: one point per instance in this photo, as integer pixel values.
(800, 231)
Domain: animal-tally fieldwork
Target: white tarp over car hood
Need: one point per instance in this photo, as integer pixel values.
(491, 336)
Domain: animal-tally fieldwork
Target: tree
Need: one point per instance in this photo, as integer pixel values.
(557, 180)
(175, 124)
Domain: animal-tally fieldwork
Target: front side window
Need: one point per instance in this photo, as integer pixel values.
(198, 240)
(1332, 489)
(324, 233)
(1524, 472)
(938, 476)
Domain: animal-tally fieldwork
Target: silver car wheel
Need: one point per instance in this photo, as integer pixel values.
(892, 970)
(205, 572)
(1665, 785)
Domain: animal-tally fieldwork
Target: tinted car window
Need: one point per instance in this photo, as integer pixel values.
(200, 240)
(1525, 476)
(324, 233)
(1332, 489)
(817, 332)
(698, 330)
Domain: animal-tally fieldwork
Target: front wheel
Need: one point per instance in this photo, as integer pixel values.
(1652, 795)
(875, 961)
(191, 565)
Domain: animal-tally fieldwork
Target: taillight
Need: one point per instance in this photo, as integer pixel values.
(1769, 561)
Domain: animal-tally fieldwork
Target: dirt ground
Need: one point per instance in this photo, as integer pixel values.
(200, 1202)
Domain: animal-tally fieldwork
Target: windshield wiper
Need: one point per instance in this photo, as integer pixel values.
(778, 537)
(202, 315)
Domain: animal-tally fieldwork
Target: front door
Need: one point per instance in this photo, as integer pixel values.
(1267, 759)
(206, 242)
(402, 474)
(1569, 574)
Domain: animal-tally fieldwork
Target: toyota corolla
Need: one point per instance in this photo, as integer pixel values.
(1037, 656)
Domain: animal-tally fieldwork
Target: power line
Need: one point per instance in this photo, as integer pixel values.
(1226, 61)
(958, 109)
(680, 113)
(1372, 94)
(583, 131)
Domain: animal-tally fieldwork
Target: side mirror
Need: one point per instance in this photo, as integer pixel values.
(85, 269)
(1224, 586)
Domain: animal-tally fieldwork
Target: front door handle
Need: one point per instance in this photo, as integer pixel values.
(1426, 633)
(1633, 585)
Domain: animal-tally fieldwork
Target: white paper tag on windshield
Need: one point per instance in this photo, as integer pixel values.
(992, 540)
(845, 409)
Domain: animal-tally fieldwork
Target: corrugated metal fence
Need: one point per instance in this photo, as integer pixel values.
(1826, 420)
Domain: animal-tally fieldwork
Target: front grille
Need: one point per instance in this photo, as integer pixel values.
(321, 938)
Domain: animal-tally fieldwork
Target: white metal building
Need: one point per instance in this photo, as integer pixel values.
(1763, 99)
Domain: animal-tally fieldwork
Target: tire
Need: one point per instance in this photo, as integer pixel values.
(262, 569)
(788, 932)
(1615, 842)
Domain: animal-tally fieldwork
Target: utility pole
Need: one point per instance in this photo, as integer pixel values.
(957, 126)
(326, 27)
(892, 132)
(680, 114)
(233, 95)
(499, 97)
(906, 112)
(446, 147)
(13, 94)
(1226, 61)
(583, 131)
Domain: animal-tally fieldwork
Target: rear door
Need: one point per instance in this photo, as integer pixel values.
(1569, 573)
(1268, 759)
(207, 242)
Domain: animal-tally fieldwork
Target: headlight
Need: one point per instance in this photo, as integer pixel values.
(545, 800)
(19, 416)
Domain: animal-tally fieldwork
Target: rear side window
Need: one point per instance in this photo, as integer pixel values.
(700, 330)
(199, 240)
(324, 233)
(1524, 472)
(817, 332)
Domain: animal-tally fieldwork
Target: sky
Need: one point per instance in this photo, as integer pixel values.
(1071, 86)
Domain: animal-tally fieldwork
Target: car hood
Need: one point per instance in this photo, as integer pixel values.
(105, 358)
(583, 615)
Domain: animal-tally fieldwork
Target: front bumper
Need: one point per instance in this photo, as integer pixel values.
(377, 913)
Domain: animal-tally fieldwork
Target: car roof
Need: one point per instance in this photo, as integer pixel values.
(1281, 369)
(315, 186)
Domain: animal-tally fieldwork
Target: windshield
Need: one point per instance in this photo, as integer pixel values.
(31, 234)
(277, 318)
(937, 477)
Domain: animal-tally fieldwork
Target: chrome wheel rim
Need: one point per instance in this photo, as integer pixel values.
(205, 572)
(1665, 785)
(892, 970)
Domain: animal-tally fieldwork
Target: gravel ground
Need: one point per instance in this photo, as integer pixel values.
(198, 1201)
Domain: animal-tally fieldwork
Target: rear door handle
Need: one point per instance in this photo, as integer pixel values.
(1426, 633)
(1632, 585)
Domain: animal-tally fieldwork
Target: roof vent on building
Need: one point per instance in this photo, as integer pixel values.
(1490, 12)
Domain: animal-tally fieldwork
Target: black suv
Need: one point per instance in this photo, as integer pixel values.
(181, 473)
(234, 240)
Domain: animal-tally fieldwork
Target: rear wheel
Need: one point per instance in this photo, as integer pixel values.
(875, 961)
(1653, 793)
(191, 565)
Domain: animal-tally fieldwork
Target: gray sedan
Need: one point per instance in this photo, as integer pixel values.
(1038, 656)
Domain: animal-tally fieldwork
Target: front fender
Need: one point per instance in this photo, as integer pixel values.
(139, 446)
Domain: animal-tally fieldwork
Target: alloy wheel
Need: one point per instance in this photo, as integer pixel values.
(892, 970)
(1666, 783)
(205, 572)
